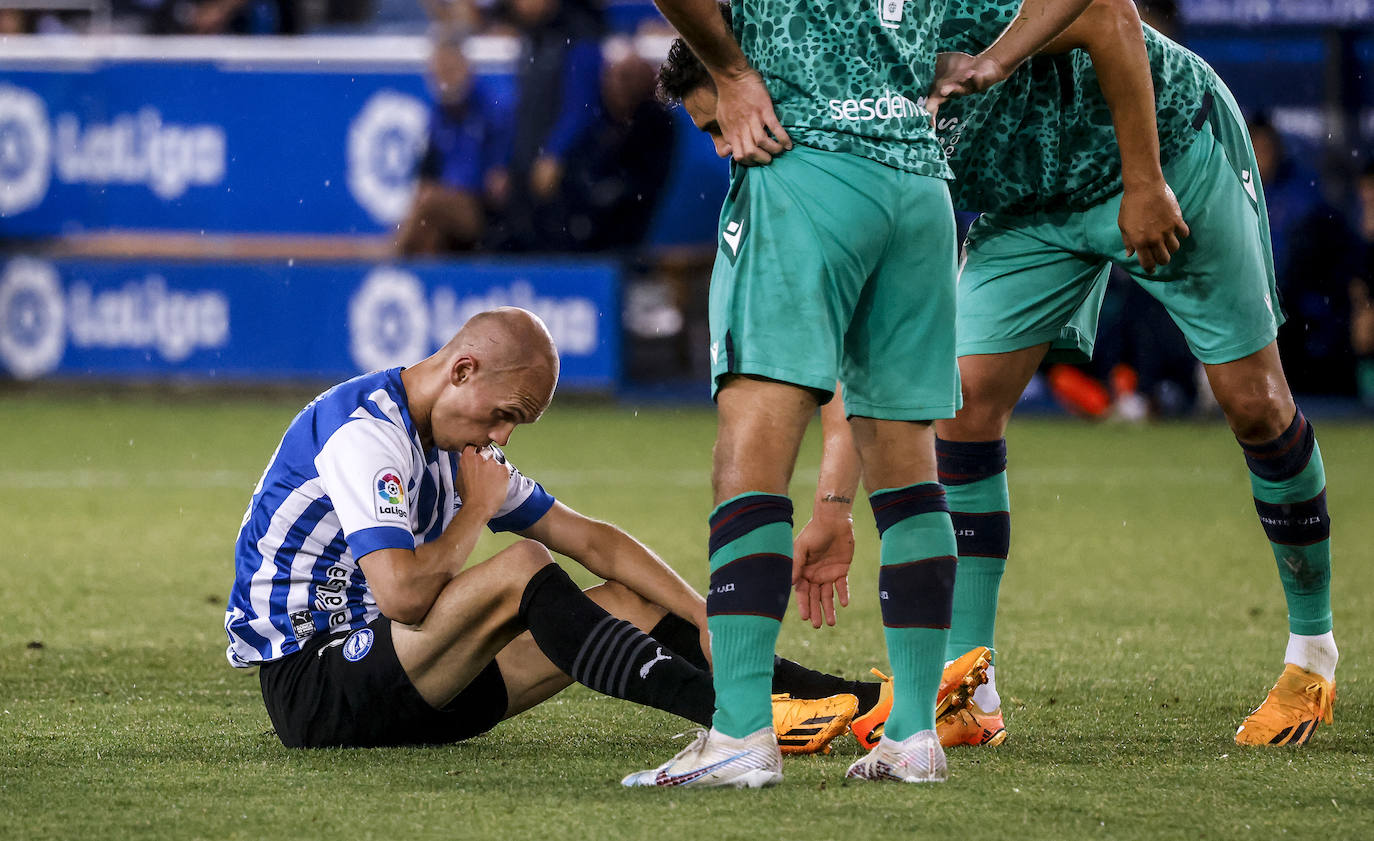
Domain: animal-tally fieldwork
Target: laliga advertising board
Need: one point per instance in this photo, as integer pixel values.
(263, 322)
(220, 135)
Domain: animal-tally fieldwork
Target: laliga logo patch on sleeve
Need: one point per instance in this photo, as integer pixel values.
(391, 495)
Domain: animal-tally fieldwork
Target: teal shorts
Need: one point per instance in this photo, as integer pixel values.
(835, 267)
(1028, 280)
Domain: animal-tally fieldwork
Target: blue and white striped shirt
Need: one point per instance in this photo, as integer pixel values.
(349, 477)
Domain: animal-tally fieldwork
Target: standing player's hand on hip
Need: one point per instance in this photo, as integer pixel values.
(748, 123)
(484, 479)
(1151, 223)
(821, 556)
(961, 74)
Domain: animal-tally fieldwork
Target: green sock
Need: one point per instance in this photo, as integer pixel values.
(751, 577)
(1293, 512)
(915, 580)
(982, 526)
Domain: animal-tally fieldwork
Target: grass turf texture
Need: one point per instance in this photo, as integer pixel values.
(1142, 618)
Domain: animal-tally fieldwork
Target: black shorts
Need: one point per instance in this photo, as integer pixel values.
(349, 690)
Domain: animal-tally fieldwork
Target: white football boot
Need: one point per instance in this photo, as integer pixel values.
(916, 759)
(715, 759)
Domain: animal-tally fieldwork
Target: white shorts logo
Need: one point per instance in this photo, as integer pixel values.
(357, 645)
(33, 318)
(25, 150)
(384, 142)
(388, 320)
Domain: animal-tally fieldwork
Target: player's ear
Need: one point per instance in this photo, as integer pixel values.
(461, 369)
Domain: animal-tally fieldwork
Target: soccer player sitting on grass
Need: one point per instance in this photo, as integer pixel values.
(356, 594)
(1064, 197)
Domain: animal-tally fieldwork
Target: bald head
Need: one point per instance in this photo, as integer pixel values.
(507, 339)
(498, 372)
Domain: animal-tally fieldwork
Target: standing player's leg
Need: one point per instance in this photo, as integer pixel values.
(1220, 289)
(917, 558)
(760, 431)
(1057, 295)
(761, 424)
(799, 238)
(1288, 481)
(972, 457)
(899, 374)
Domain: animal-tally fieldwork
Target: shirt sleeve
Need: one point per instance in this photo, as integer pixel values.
(366, 469)
(526, 501)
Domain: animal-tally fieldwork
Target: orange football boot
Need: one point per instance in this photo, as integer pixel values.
(971, 725)
(957, 683)
(1292, 710)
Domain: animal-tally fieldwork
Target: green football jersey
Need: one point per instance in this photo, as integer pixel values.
(1043, 139)
(849, 75)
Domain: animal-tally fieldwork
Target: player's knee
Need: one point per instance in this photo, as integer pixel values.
(987, 408)
(982, 418)
(525, 558)
(1258, 416)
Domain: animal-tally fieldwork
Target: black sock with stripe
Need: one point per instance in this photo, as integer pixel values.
(789, 677)
(610, 655)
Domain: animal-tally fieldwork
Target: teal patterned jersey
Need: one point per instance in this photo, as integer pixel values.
(849, 75)
(1043, 139)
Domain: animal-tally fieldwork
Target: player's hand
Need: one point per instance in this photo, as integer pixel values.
(821, 555)
(961, 74)
(483, 479)
(748, 124)
(1151, 224)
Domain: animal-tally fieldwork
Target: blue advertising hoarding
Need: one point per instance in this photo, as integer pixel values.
(261, 136)
(219, 138)
(263, 322)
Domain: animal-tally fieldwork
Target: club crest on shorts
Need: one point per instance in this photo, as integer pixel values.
(390, 496)
(357, 645)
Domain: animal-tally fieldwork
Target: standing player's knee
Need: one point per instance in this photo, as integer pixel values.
(1257, 416)
(984, 416)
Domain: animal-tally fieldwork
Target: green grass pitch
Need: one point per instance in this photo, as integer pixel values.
(1142, 618)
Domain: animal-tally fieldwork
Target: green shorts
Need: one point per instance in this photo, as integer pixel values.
(835, 267)
(1028, 280)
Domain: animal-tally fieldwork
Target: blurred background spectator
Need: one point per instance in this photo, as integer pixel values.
(469, 136)
(558, 77)
(1315, 255)
(1362, 292)
(603, 198)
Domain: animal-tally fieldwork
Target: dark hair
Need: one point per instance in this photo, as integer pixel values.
(682, 72)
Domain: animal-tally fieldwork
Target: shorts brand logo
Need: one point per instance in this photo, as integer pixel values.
(733, 233)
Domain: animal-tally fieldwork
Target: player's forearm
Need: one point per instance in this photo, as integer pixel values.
(838, 481)
(444, 557)
(1036, 25)
(701, 25)
(407, 589)
(1110, 32)
(616, 556)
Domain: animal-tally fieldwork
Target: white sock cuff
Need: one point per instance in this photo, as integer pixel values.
(1316, 653)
